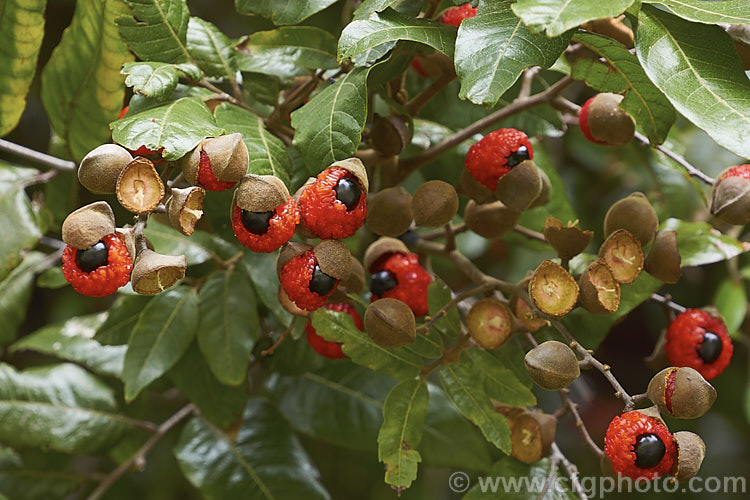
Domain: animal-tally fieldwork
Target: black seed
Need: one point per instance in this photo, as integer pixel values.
(381, 282)
(710, 348)
(649, 450)
(93, 257)
(321, 283)
(348, 192)
(256, 222)
(516, 157)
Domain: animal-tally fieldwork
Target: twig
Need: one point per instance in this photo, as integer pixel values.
(550, 476)
(284, 335)
(415, 105)
(36, 157)
(450, 238)
(138, 459)
(668, 303)
(486, 287)
(573, 408)
(40, 178)
(410, 164)
(570, 469)
(532, 235)
(220, 95)
(439, 233)
(528, 77)
(691, 170)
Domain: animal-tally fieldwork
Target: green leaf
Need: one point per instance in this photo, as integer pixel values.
(177, 127)
(198, 247)
(15, 294)
(556, 17)
(391, 26)
(406, 7)
(282, 12)
(700, 244)
(704, 81)
(509, 471)
(463, 387)
(623, 74)
(287, 52)
(731, 302)
(427, 345)
(438, 295)
(500, 383)
(261, 269)
(510, 355)
(228, 325)
(212, 50)
(52, 278)
(404, 414)
(161, 335)
(153, 79)
(122, 317)
(265, 461)
(157, 31)
(494, 47)
(72, 340)
(268, 154)
(15, 212)
(709, 11)
(329, 127)
(31, 480)
(59, 407)
(22, 28)
(398, 363)
(82, 88)
(220, 404)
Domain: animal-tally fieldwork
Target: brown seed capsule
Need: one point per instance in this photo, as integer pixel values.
(525, 315)
(553, 289)
(490, 220)
(520, 187)
(290, 306)
(611, 27)
(531, 435)
(681, 392)
(552, 365)
(389, 211)
(228, 156)
(87, 225)
(543, 197)
(153, 272)
(634, 214)
(290, 251)
(381, 247)
(390, 323)
(474, 189)
(653, 412)
(624, 256)
(260, 193)
(663, 260)
(490, 323)
(600, 292)
(691, 450)
(99, 170)
(730, 199)
(609, 123)
(355, 281)
(139, 187)
(568, 241)
(390, 135)
(334, 258)
(185, 208)
(128, 236)
(434, 204)
(357, 169)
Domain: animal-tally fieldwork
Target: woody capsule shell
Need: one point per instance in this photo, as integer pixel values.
(153, 272)
(87, 225)
(519, 188)
(139, 187)
(100, 168)
(217, 163)
(185, 208)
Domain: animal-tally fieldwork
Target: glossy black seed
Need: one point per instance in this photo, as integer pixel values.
(321, 283)
(256, 222)
(649, 450)
(348, 192)
(710, 348)
(381, 282)
(516, 157)
(93, 257)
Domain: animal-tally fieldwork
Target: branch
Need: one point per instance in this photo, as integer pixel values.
(36, 157)
(691, 170)
(408, 165)
(573, 408)
(138, 459)
(570, 469)
(532, 235)
(415, 105)
(439, 233)
(486, 287)
(668, 303)
(284, 334)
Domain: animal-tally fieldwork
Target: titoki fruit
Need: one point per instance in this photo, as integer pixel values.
(639, 446)
(600, 292)
(455, 15)
(700, 341)
(100, 270)
(153, 272)
(217, 163)
(185, 208)
(264, 215)
(390, 323)
(681, 392)
(552, 365)
(399, 276)
(434, 204)
(496, 154)
(663, 260)
(520, 188)
(624, 255)
(335, 205)
(691, 450)
(139, 187)
(553, 290)
(531, 433)
(602, 121)
(324, 347)
(730, 197)
(389, 211)
(305, 284)
(634, 214)
(490, 323)
(100, 168)
(490, 220)
(567, 240)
